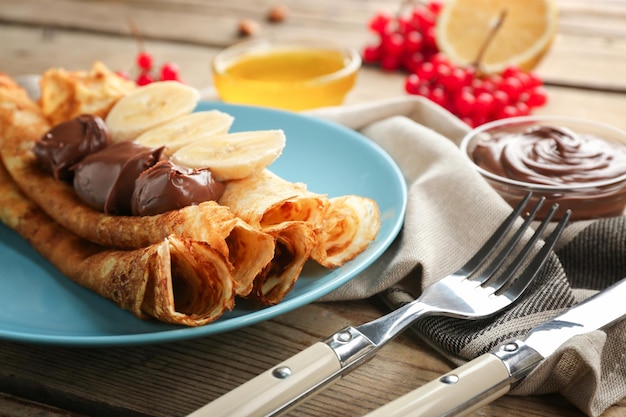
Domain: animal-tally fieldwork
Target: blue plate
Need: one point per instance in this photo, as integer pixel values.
(40, 305)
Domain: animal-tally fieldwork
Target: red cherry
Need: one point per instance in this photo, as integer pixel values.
(511, 71)
(525, 79)
(464, 102)
(456, 79)
(413, 42)
(170, 72)
(430, 37)
(440, 58)
(495, 79)
(435, 6)
(423, 18)
(144, 78)
(484, 104)
(423, 90)
(413, 61)
(405, 25)
(481, 120)
(512, 86)
(507, 111)
(426, 71)
(390, 62)
(438, 96)
(372, 53)
(522, 109)
(145, 60)
(379, 22)
(501, 98)
(393, 43)
(412, 83)
(537, 97)
(534, 80)
(442, 70)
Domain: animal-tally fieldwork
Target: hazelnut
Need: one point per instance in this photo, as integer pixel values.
(248, 27)
(277, 14)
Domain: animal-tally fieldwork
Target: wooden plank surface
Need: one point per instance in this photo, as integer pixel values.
(585, 72)
(171, 380)
(32, 50)
(590, 48)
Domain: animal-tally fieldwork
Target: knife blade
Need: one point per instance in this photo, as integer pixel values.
(482, 380)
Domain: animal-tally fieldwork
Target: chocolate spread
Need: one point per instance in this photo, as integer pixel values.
(69, 142)
(551, 156)
(558, 157)
(105, 180)
(166, 187)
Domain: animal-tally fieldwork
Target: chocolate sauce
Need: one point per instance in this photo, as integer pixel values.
(557, 157)
(551, 156)
(105, 180)
(166, 187)
(69, 142)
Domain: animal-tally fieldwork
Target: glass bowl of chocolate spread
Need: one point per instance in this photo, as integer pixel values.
(579, 164)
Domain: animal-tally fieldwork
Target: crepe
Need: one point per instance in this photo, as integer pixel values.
(342, 226)
(286, 211)
(248, 249)
(265, 226)
(68, 94)
(265, 199)
(294, 242)
(176, 281)
(351, 223)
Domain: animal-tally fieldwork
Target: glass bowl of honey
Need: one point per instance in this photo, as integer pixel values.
(579, 164)
(290, 74)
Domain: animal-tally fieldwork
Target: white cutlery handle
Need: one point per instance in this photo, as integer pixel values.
(457, 393)
(276, 387)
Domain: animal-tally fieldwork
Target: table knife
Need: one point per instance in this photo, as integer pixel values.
(482, 380)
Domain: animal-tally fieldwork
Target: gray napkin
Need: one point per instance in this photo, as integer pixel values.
(452, 210)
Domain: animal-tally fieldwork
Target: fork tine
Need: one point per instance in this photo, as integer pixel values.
(489, 246)
(523, 281)
(513, 266)
(495, 265)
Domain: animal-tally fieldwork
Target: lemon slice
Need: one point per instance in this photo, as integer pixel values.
(526, 31)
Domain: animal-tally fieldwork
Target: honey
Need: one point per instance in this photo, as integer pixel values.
(293, 78)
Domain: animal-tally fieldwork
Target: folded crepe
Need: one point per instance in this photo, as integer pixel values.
(177, 281)
(294, 242)
(350, 225)
(338, 228)
(22, 123)
(265, 199)
(289, 213)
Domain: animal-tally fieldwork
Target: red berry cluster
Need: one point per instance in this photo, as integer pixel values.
(404, 40)
(473, 97)
(169, 71)
(407, 41)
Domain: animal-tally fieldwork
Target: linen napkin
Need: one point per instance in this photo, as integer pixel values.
(451, 211)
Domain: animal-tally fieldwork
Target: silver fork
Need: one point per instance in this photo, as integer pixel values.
(474, 291)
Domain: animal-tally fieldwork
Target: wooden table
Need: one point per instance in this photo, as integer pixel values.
(585, 72)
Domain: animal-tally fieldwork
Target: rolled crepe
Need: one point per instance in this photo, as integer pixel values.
(343, 226)
(265, 200)
(350, 225)
(248, 249)
(285, 210)
(176, 281)
(294, 241)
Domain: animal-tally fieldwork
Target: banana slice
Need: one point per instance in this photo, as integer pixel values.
(148, 107)
(186, 129)
(233, 156)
